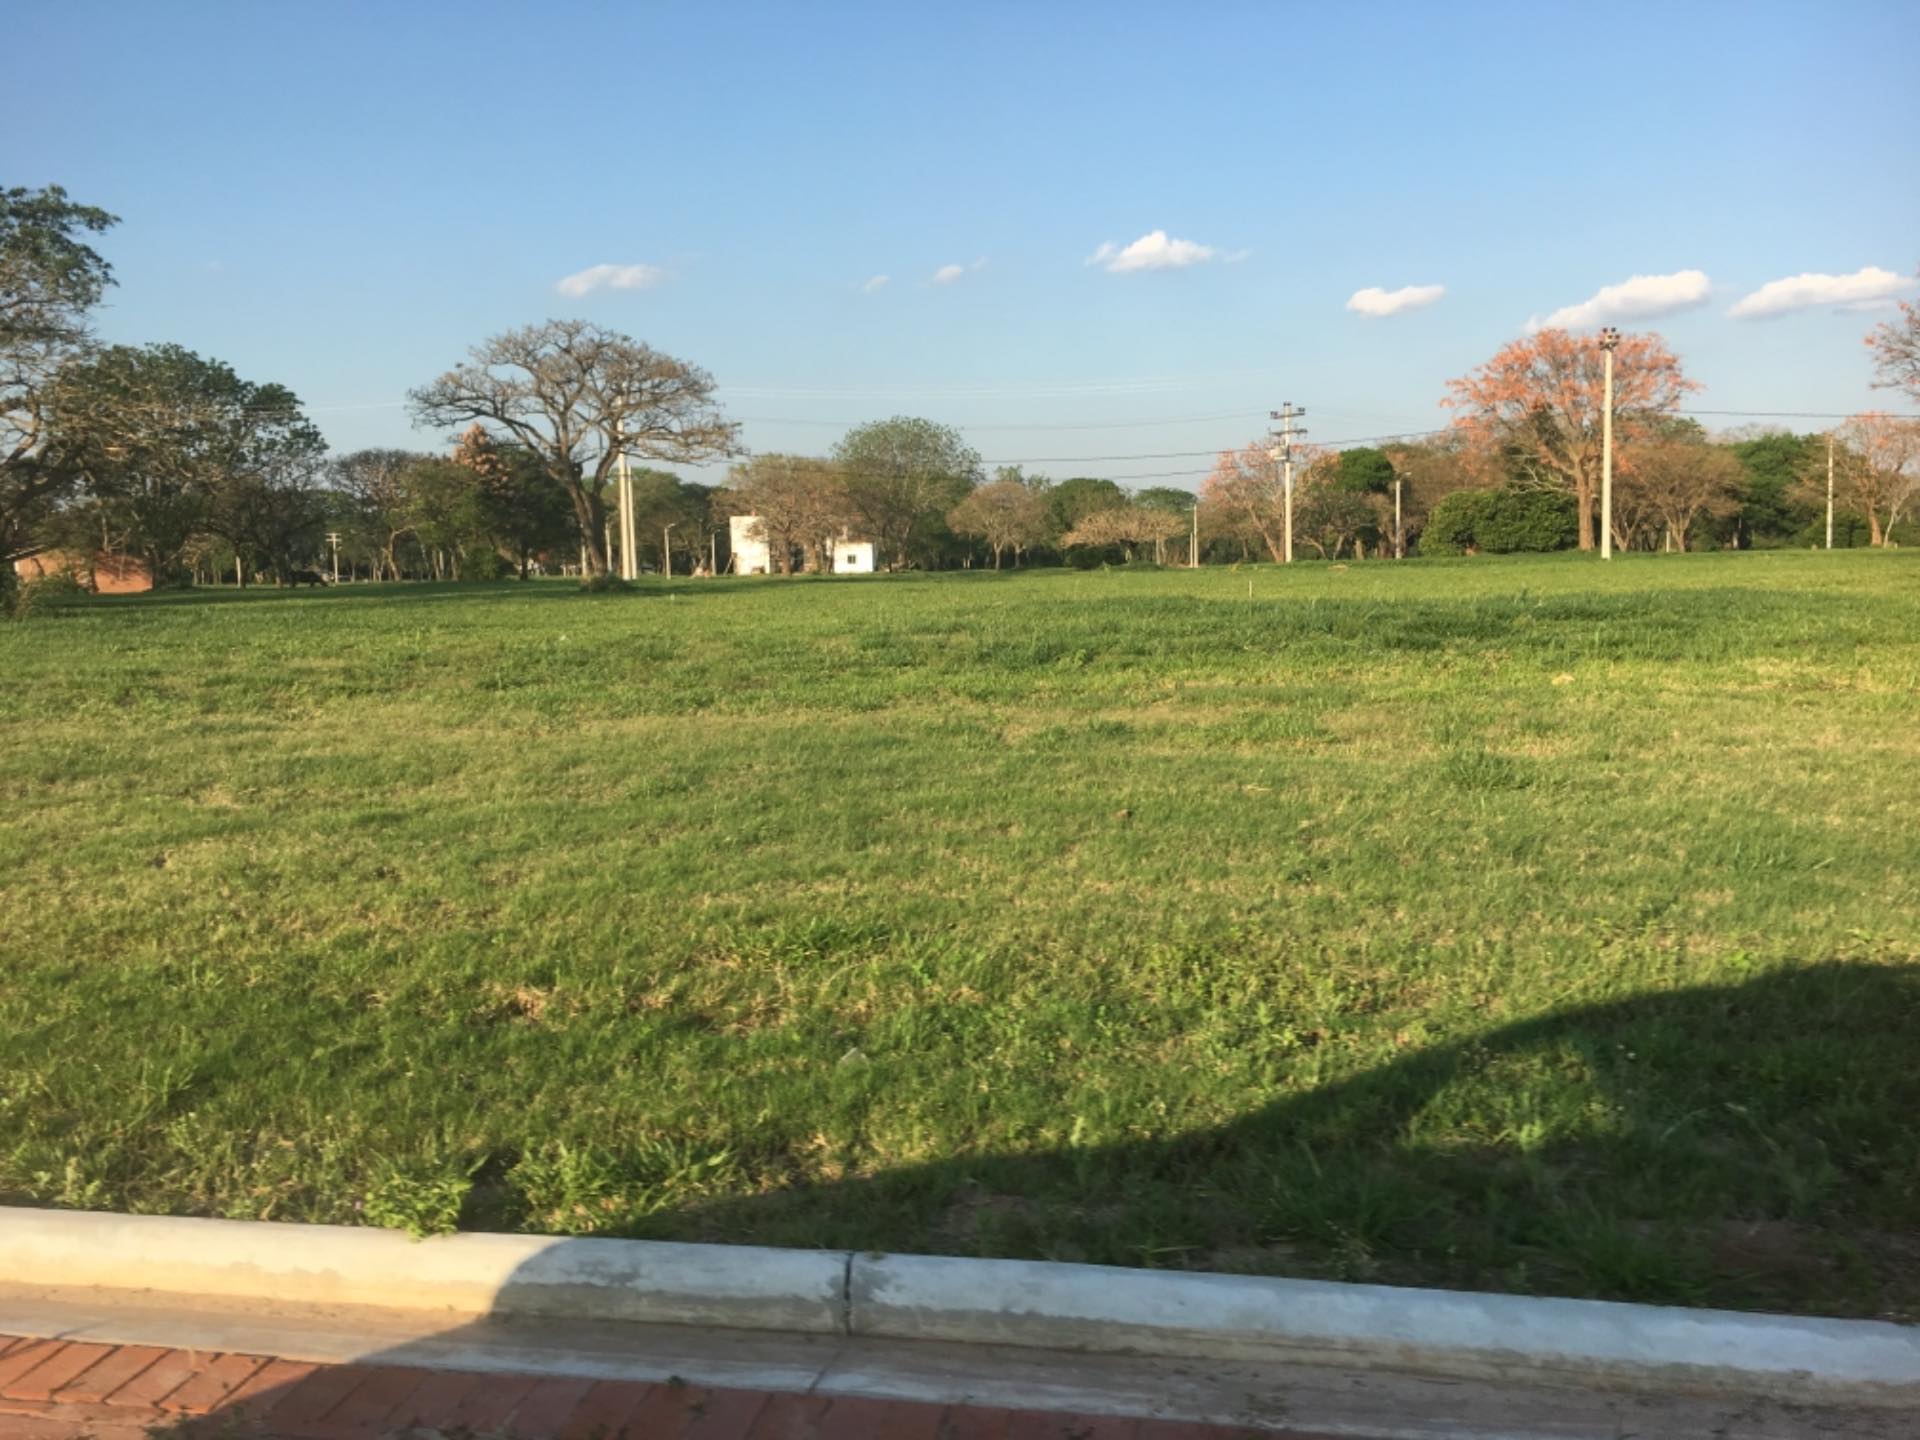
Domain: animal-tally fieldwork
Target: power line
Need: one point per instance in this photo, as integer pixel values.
(1090, 425)
(1797, 414)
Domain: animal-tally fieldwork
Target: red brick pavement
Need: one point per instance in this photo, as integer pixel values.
(60, 1390)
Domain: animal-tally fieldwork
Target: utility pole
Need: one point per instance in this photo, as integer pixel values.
(628, 568)
(333, 539)
(1399, 530)
(1193, 545)
(1609, 338)
(666, 550)
(1829, 489)
(1286, 415)
(713, 554)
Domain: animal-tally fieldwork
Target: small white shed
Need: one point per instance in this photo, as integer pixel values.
(748, 544)
(853, 557)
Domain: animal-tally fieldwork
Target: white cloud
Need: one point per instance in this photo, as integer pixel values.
(947, 274)
(1375, 301)
(1153, 251)
(878, 282)
(611, 277)
(1859, 290)
(1639, 298)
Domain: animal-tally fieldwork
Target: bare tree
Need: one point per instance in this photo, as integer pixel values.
(376, 482)
(800, 501)
(1676, 483)
(1006, 514)
(1127, 525)
(1880, 468)
(1896, 351)
(577, 395)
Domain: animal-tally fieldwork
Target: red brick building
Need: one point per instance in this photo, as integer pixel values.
(102, 572)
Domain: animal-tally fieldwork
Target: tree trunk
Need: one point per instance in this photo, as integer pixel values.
(1875, 535)
(592, 515)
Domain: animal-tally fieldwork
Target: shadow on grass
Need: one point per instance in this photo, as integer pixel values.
(1743, 1145)
(1748, 1146)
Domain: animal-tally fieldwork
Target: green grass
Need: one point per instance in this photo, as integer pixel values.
(1519, 924)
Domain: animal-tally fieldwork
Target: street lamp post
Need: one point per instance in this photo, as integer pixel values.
(1609, 338)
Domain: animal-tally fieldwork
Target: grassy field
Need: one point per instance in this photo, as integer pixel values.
(1517, 924)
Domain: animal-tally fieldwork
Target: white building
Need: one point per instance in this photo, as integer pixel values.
(748, 545)
(853, 557)
(751, 555)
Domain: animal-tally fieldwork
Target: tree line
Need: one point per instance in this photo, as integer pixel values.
(158, 453)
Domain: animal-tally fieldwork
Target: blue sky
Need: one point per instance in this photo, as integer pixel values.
(342, 197)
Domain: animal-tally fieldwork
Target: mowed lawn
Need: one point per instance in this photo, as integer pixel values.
(1528, 924)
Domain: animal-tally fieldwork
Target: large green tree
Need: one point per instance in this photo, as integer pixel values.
(1364, 470)
(151, 434)
(524, 512)
(49, 279)
(579, 395)
(902, 477)
(1773, 510)
(1072, 500)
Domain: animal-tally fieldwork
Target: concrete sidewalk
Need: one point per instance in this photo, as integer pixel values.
(110, 1363)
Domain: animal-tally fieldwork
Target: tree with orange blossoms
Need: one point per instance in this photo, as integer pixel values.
(1247, 487)
(1880, 468)
(1536, 407)
(1896, 351)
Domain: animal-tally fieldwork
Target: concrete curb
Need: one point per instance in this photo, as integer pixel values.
(748, 1288)
(1448, 1333)
(1087, 1308)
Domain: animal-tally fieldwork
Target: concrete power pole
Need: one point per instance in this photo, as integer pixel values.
(1399, 531)
(1829, 491)
(1609, 338)
(629, 570)
(1193, 545)
(1286, 415)
(333, 539)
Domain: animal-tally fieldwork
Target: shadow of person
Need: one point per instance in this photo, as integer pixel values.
(1748, 1145)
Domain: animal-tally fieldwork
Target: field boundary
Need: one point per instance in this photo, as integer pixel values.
(1029, 1304)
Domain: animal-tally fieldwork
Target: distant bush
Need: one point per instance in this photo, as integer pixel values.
(1452, 523)
(23, 600)
(605, 585)
(484, 565)
(1499, 522)
(1527, 520)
